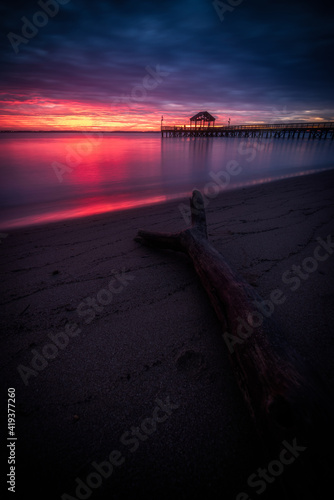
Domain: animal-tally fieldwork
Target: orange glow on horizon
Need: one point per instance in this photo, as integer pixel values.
(20, 112)
(35, 113)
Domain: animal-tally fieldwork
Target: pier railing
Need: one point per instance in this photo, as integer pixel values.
(300, 130)
(257, 126)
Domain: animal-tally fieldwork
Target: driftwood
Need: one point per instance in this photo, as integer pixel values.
(283, 397)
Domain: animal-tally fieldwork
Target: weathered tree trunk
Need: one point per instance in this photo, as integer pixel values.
(283, 398)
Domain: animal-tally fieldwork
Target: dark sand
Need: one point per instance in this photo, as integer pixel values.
(158, 338)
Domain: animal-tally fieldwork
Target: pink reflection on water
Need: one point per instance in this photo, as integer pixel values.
(112, 172)
(94, 206)
(86, 208)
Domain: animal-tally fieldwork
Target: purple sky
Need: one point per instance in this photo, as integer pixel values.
(88, 65)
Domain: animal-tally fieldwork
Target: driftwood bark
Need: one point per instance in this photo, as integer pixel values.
(283, 397)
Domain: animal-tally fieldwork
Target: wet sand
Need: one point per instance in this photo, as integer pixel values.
(117, 357)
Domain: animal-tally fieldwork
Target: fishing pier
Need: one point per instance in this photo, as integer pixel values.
(203, 125)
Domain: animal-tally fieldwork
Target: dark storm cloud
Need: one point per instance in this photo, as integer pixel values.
(262, 54)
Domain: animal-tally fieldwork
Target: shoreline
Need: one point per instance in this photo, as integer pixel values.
(148, 336)
(14, 224)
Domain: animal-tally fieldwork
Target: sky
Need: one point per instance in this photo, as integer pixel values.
(122, 65)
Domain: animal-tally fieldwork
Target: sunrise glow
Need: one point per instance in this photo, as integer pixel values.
(112, 68)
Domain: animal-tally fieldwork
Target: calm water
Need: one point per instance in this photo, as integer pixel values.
(53, 176)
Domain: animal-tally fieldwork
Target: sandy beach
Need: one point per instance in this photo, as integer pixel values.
(123, 383)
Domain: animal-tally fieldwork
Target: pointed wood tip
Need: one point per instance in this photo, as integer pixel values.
(197, 199)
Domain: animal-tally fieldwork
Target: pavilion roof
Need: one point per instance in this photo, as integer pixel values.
(202, 116)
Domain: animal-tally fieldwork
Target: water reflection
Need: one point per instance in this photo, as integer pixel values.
(116, 171)
(185, 162)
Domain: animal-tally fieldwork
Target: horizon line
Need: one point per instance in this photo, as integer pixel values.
(80, 131)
